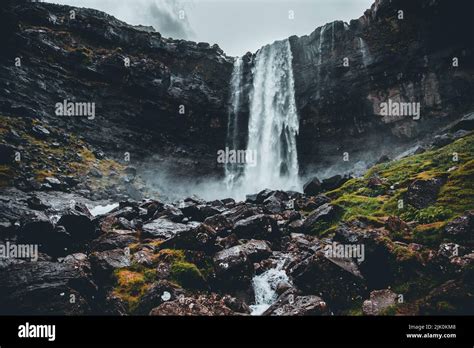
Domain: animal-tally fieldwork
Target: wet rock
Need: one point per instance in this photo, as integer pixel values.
(290, 304)
(202, 305)
(312, 187)
(257, 227)
(227, 242)
(256, 250)
(45, 288)
(451, 297)
(40, 132)
(201, 237)
(219, 223)
(379, 301)
(170, 212)
(199, 212)
(338, 281)
(324, 214)
(158, 293)
(241, 212)
(78, 224)
(103, 263)
(311, 203)
(113, 240)
(442, 140)
(461, 229)
(233, 268)
(236, 305)
(165, 229)
(36, 203)
(423, 193)
(465, 123)
(333, 182)
(39, 230)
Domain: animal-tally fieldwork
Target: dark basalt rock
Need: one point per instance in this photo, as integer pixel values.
(45, 288)
(103, 263)
(257, 227)
(165, 229)
(337, 280)
(312, 187)
(423, 193)
(462, 229)
(158, 293)
(325, 213)
(201, 237)
(291, 304)
(201, 305)
(234, 269)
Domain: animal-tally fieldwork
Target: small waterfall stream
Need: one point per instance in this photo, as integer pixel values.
(265, 287)
(364, 50)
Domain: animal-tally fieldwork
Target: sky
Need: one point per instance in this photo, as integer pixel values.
(237, 26)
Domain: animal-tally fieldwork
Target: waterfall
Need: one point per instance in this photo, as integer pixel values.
(273, 122)
(232, 170)
(265, 286)
(364, 49)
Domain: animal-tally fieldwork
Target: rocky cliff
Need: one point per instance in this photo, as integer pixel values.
(400, 50)
(153, 95)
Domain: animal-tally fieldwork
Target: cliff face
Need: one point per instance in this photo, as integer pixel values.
(173, 99)
(173, 91)
(405, 60)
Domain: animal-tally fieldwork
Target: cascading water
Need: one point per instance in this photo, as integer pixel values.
(232, 169)
(265, 287)
(273, 122)
(364, 50)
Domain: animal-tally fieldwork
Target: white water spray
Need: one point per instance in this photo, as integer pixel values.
(265, 286)
(273, 124)
(364, 50)
(232, 170)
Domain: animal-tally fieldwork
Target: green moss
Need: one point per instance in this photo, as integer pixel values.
(389, 311)
(454, 199)
(187, 275)
(130, 286)
(356, 205)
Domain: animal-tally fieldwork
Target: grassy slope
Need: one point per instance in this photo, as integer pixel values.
(456, 196)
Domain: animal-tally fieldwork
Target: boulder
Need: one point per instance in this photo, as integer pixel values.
(423, 193)
(158, 293)
(461, 229)
(45, 288)
(312, 187)
(219, 223)
(338, 281)
(290, 304)
(324, 214)
(78, 223)
(200, 305)
(257, 227)
(164, 229)
(233, 268)
(169, 212)
(104, 263)
(113, 240)
(379, 301)
(201, 237)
